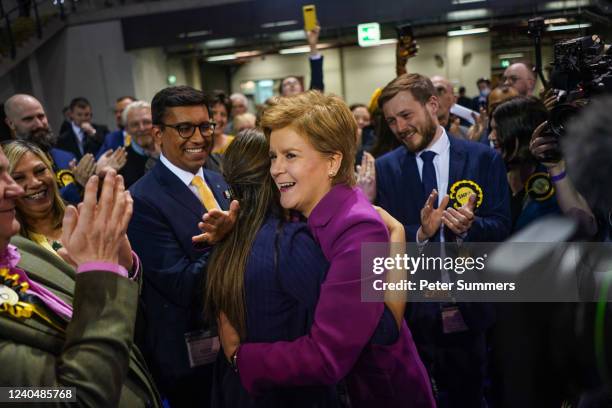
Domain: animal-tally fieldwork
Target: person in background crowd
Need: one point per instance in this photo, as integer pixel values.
(244, 121)
(291, 85)
(479, 132)
(484, 89)
(446, 100)
(169, 201)
(120, 137)
(464, 100)
(82, 136)
(142, 153)
(312, 150)
(427, 167)
(220, 108)
(521, 77)
(65, 327)
(240, 106)
(538, 188)
(40, 210)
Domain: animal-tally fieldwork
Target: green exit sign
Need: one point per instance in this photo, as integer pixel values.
(368, 34)
(505, 63)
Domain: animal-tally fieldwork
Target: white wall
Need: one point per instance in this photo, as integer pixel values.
(366, 69)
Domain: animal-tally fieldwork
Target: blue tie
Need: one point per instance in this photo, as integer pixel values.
(430, 182)
(428, 178)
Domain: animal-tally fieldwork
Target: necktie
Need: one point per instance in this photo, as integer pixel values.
(430, 181)
(206, 196)
(127, 140)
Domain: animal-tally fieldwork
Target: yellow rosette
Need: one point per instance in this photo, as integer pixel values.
(461, 191)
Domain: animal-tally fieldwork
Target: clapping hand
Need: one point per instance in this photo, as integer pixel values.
(460, 220)
(366, 176)
(84, 169)
(431, 218)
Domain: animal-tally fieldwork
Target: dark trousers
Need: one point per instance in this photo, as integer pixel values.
(456, 362)
(193, 391)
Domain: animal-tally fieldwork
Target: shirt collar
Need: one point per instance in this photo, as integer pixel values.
(137, 148)
(185, 176)
(440, 146)
(10, 256)
(77, 130)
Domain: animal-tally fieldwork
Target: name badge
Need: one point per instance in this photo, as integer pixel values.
(202, 347)
(452, 320)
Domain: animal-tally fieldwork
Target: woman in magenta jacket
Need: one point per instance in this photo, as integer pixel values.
(312, 150)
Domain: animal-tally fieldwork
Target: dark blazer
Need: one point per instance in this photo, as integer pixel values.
(68, 141)
(95, 354)
(316, 74)
(61, 159)
(112, 141)
(400, 192)
(339, 343)
(282, 278)
(166, 216)
(135, 167)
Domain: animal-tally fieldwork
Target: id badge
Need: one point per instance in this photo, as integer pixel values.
(452, 320)
(202, 347)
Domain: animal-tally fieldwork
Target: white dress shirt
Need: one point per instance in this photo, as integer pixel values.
(185, 176)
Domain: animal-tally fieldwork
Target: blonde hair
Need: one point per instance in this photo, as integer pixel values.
(14, 151)
(325, 121)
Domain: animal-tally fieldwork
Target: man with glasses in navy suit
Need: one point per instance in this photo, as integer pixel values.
(169, 202)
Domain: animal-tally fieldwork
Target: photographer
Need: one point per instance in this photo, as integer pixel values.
(538, 183)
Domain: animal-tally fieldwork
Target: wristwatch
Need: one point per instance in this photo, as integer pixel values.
(234, 360)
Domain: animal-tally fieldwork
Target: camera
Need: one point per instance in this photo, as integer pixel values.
(582, 68)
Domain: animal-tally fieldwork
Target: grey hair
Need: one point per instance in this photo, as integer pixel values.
(131, 107)
(238, 95)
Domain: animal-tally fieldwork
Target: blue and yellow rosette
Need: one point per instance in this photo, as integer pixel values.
(461, 191)
(64, 177)
(539, 187)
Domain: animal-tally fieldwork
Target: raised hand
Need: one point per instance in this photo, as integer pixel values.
(481, 122)
(216, 224)
(84, 169)
(460, 221)
(431, 218)
(111, 159)
(313, 38)
(97, 230)
(366, 176)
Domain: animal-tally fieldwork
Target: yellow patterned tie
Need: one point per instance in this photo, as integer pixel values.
(127, 140)
(206, 195)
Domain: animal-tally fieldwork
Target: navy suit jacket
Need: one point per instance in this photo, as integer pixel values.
(399, 189)
(71, 193)
(400, 192)
(112, 141)
(166, 216)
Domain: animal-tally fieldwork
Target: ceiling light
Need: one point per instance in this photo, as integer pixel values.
(555, 21)
(279, 24)
(226, 57)
(294, 35)
(562, 5)
(381, 42)
(456, 33)
(568, 27)
(220, 43)
(468, 14)
(301, 49)
(511, 55)
(192, 34)
(466, 1)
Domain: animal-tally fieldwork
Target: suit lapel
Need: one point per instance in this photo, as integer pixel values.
(218, 189)
(178, 190)
(458, 160)
(410, 172)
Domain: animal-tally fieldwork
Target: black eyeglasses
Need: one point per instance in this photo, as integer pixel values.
(186, 130)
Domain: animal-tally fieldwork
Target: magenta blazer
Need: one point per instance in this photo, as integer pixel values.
(338, 346)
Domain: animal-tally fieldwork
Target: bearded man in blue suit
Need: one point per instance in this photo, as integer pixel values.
(413, 183)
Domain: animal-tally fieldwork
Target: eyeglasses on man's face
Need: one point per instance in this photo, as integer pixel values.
(186, 130)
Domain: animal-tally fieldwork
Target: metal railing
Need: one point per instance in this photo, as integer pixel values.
(21, 20)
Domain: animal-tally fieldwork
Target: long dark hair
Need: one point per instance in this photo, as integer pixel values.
(515, 121)
(246, 168)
